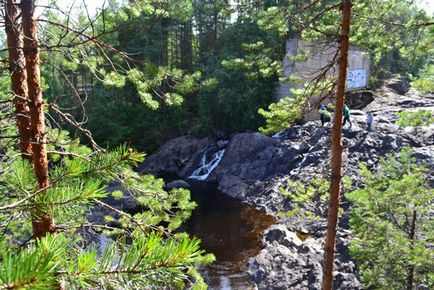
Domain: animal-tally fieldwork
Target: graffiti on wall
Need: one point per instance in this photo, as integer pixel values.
(357, 78)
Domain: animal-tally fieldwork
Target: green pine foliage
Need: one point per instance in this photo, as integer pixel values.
(149, 262)
(392, 224)
(283, 114)
(34, 266)
(309, 199)
(415, 119)
(304, 198)
(140, 92)
(95, 245)
(142, 252)
(425, 82)
(289, 110)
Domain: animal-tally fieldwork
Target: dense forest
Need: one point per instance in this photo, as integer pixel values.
(85, 93)
(202, 67)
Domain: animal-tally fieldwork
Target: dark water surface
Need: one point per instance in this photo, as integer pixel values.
(230, 230)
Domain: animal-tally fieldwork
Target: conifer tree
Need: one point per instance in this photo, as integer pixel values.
(142, 251)
(18, 75)
(42, 220)
(336, 162)
(392, 224)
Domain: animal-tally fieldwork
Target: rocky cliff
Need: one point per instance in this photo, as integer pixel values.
(254, 167)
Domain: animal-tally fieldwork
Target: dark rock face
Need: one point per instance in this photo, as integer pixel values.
(359, 100)
(399, 85)
(250, 157)
(178, 156)
(287, 262)
(254, 167)
(177, 184)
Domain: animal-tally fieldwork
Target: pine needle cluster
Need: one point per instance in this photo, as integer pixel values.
(123, 250)
(393, 225)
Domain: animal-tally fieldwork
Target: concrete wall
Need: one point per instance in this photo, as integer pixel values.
(318, 57)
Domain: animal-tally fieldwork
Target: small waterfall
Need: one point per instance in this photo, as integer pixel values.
(207, 166)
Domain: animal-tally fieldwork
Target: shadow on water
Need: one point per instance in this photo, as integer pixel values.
(230, 230)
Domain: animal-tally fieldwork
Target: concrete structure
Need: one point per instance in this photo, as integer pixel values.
(317, 57)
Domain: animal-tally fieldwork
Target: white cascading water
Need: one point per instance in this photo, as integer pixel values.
(205, 166)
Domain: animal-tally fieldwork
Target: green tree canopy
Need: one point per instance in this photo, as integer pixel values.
(392, 224)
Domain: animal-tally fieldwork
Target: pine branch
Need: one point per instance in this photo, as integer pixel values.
(9, 137)
(68, 154)
(122, 213)
(70, 119)
(122, 156)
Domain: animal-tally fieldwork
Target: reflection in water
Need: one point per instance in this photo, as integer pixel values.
(228, 229)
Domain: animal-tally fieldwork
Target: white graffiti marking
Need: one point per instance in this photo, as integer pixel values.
(357, 78)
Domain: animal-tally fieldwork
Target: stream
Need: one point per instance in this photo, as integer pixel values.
(230, 230)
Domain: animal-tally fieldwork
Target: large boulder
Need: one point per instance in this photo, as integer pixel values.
(250, 157)
(287, 262)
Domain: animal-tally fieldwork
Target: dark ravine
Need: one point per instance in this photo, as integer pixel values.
(254, 166)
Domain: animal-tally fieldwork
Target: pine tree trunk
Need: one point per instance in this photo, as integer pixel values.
(164, 41)
(42, 220)
(411, 236)
(18, 75)
(336, 163)
(216, 24)
(186, 47)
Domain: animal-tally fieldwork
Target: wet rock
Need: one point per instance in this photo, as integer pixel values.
(283, 236)
(222, 144)
(233, 186)
(177, 184)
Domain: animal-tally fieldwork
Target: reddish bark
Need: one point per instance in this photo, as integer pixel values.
(336, 162)
(42, 219)
(18, 75)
